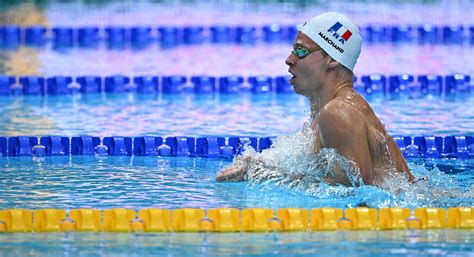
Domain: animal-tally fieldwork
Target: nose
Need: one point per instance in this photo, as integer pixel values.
(290, 60)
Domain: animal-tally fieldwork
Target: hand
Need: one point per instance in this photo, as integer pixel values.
(236, 172)
(231, 173)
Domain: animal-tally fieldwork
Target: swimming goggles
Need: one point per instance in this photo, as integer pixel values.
(302, 52)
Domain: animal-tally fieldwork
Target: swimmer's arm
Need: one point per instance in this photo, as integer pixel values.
(238, 170)
(346, 131)
(233, 173)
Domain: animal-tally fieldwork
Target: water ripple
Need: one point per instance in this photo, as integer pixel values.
(139, 182)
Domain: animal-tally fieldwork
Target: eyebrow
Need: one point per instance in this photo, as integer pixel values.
(299, 44)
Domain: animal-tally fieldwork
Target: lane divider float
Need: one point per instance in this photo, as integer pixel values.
(233, 220)
(391, 87)
(139, 37)
(459, 147)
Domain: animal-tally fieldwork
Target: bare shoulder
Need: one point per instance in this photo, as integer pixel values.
(341, 125)
(338, 113)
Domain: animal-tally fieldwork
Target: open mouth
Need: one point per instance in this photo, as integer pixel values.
(292, 77)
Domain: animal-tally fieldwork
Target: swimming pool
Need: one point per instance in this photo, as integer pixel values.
(353, 243)
(137, 182)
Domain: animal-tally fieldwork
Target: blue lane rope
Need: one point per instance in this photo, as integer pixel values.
(11, 36)
(390, 87)
(460, 147)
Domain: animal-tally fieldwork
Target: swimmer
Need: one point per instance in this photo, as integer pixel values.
(324, 54)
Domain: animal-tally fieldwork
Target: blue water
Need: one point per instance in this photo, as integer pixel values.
(341, 243)
(222, 115)
(142, 182)
(245, 60)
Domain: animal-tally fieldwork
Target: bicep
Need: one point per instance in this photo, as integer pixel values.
(348, 136)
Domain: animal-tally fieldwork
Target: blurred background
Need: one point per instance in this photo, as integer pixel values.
(424, 20)
(419, 51)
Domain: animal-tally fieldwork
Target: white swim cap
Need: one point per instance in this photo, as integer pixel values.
(337, 35)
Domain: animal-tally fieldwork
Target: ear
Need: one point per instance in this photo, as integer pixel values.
(333, 63)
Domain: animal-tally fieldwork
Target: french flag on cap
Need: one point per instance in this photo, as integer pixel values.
(339, 29)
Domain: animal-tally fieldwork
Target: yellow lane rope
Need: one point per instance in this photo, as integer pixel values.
(233, 220)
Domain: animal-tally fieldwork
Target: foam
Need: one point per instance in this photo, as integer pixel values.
(290, 163)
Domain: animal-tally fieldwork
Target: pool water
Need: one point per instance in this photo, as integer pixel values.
(178, 182)
(105, 182)
(224, 60)
(213, 115)
(346, 243)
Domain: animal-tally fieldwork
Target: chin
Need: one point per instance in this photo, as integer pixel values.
(297, 91)
(296, 87)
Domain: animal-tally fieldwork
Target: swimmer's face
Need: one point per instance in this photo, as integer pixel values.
(305, 64)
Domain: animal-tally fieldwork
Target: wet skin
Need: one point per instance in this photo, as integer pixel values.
(340, 118)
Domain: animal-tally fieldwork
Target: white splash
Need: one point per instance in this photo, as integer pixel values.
(291, 162)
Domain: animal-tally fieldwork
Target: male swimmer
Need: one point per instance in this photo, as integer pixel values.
(324, 54)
